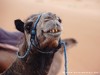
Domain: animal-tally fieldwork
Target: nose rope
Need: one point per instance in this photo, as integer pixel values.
(26, 53)
(65, 57)
(33, 44)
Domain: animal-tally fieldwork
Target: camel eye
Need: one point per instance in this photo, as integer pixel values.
(46, 20)
(28, 27)
(59, 20)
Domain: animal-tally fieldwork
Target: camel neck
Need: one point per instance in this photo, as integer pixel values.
(36, 64)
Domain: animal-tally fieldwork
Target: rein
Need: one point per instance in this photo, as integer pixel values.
(33, 34)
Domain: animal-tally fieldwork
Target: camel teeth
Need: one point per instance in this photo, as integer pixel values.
(56, 30)
(53, 30)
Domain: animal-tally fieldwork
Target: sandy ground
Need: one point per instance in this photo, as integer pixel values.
(81, 20)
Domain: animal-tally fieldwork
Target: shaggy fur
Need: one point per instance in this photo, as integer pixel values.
(37, 63)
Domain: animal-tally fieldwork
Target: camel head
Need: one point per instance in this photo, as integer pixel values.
(48, 29)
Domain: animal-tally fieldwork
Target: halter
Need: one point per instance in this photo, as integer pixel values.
(33, 35)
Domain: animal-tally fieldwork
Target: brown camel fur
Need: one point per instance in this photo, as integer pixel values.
(37, 63)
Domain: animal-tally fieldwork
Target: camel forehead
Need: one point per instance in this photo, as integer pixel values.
(48, 15)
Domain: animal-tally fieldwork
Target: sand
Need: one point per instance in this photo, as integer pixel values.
(81, 20)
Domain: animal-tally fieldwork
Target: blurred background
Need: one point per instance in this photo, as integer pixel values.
(81, 20)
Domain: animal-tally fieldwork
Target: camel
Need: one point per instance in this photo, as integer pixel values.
(40, 59)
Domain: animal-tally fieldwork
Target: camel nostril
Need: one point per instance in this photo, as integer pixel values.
(57, 24)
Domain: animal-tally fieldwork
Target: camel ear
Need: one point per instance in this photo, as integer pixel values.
(70, 42)
(19, 25)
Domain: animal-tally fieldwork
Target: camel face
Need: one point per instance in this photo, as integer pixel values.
(48, 29)
(51, 26)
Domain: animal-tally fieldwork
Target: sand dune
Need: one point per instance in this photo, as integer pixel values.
(81, 20)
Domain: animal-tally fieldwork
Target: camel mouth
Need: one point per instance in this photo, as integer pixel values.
(53, 32)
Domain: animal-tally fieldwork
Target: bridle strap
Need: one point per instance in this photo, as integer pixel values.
(33, 33)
